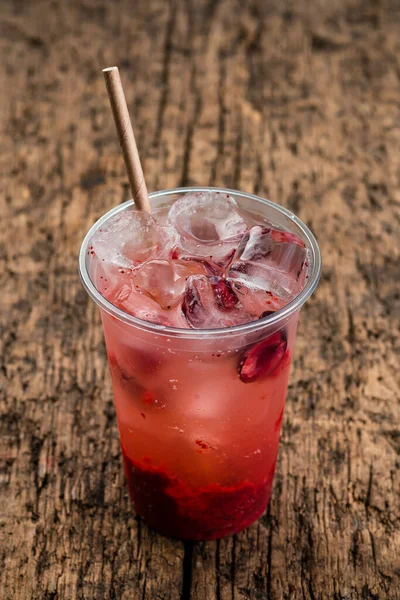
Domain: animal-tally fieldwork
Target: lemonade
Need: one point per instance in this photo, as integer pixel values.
(199, 303)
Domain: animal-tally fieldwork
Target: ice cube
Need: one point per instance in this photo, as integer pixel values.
(257, 302)
(209, 224)
(165, 281)
(117, 249)
(212, 303)
(134, 301)
(269, 260)
(128, 239)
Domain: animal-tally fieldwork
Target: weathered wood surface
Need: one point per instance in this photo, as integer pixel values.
(298, 101)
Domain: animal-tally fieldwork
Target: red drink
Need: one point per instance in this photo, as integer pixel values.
(200, 318)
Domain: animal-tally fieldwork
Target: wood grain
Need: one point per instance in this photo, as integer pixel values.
(297, 101)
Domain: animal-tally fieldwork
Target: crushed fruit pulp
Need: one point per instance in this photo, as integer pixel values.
(207, 512)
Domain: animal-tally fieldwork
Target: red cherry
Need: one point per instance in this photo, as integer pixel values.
(224, 295)
(262, 359)
(191, 302)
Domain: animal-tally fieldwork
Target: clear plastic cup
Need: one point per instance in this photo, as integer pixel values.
(199, 432)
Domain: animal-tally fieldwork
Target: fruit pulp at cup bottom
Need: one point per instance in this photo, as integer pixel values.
(199, 429)
(206, 513)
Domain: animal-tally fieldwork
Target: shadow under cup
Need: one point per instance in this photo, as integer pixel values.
(199, 444)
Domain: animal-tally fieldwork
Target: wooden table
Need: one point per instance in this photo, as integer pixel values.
(297, 101)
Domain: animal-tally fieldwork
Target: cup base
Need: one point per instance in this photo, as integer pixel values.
(210, 512)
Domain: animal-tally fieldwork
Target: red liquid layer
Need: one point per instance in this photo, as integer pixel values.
(213, 511)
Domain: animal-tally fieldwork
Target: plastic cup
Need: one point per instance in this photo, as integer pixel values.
(199, 431)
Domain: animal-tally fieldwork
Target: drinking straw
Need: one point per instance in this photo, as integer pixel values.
(126, 138)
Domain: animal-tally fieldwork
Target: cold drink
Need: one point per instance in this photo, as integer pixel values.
(199, 304)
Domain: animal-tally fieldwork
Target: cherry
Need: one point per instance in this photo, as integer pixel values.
(192, 306)
(262, 359)
(224, 295)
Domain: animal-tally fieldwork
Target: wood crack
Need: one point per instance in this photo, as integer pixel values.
(187, 571)
(168, 46)
(221, 123)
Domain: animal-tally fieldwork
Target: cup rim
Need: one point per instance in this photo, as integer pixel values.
(280, 315)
